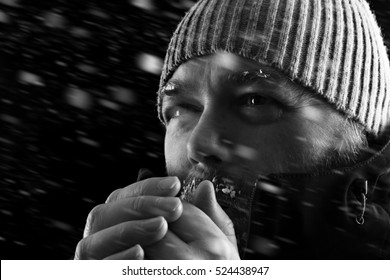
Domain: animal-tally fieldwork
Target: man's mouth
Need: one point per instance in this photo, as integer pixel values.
(223, 186)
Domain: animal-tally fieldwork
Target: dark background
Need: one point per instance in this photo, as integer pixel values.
(77, 111)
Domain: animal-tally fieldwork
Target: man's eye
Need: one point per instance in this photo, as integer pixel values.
(259, 109)
(254, 100)
(176, 113)
(181, 111)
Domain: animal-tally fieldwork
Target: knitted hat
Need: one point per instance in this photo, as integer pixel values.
(333, 47)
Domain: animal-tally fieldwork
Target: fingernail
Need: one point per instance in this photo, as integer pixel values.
(169, 204)
(152, 225)
(168, 183)
(137, 251)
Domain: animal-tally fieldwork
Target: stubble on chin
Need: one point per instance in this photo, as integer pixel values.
(224, 184)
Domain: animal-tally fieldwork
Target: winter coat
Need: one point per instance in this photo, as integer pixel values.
(338, 214)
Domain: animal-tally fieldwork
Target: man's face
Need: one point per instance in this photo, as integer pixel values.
(243, 118)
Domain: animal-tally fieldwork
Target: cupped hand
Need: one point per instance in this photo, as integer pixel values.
(203, 231)
(131, 218)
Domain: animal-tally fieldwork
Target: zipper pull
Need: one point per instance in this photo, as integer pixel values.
(360, 190)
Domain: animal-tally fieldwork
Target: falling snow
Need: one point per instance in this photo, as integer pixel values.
(78, 98)
(13, 3)
(245, 152)
(124, 95)
(4, 18)
(150, 63)
(54, 20)
(143, 4)
(30, 78)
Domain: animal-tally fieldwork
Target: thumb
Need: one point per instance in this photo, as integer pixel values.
(206, 201)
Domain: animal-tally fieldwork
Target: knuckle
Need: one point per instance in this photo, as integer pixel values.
(229, 227)
(121, 233)
(159, 201)
(138, 203)
(92, 219)
(113, 196)
(140, 188)
(146, 187)
(82, 249)
(124, 235)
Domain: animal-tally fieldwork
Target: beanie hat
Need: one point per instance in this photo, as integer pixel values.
(333, 47)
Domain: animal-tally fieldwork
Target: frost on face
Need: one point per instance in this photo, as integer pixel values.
(225, 186)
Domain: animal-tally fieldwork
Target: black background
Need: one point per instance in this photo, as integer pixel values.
(77, 111)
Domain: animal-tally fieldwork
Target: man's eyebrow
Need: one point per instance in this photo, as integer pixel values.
(170, 89)
(246, 76)
(296, 93)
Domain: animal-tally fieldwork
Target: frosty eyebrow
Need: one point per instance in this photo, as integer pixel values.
(172, 88)
(246, 76)
(292, 94)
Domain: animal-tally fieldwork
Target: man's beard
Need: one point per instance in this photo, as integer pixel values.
(224, 184)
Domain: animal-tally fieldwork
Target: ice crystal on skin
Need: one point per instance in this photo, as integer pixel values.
(222, 185)
(226, 186)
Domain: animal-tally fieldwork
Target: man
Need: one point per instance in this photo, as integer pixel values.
(276, 116)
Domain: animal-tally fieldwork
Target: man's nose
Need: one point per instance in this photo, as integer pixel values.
(208, 143)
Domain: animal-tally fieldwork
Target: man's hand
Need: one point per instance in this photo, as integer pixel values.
(133, 224)
(131, 218)
(200, 233)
